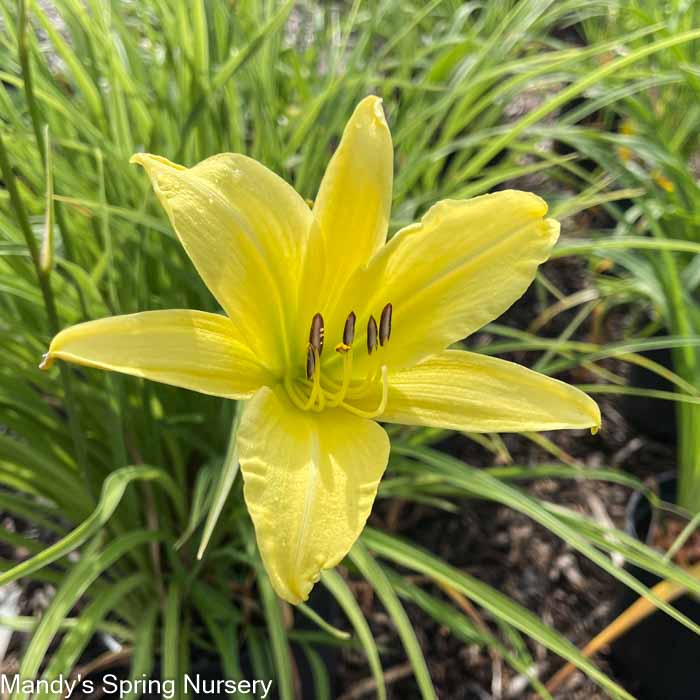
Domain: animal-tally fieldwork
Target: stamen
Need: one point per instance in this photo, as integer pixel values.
(295, 393)
(373, 365)
(321, 392)
(371, 335)
(329, 392)
(385, 325)
(349, 329)
(337, 398)
(310, 362)
(316, 333)
(382, 403)
(316, 391)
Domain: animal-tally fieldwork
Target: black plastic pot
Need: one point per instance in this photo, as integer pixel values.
(653, 417)
(659, 657)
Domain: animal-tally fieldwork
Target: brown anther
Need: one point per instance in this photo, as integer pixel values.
(385, 324)
(349, 329)
(371, 335)
(316, 333)
(310, 362)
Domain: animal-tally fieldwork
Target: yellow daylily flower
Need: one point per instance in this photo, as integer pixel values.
(329, 328)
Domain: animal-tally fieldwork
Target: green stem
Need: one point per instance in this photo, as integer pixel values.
(27, 79)
(49, 303)
(227, 475)
(686, 363)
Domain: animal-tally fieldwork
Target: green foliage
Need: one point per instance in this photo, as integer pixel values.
(651, 144)
(135, 476)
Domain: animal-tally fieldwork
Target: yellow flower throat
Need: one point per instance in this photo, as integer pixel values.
(319, 391)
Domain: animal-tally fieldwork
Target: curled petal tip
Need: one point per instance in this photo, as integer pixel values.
(378, 109)
(47, 361)
(372, 110)
(148, 161)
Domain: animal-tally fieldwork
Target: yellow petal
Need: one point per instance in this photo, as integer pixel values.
(475, 393)
(245, 230)
(462, 266)
(352, 207)
(310, 481)
(190, 349)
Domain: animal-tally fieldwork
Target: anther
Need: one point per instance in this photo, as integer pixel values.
(349, 329)
(310, 362)
(371, 335)
(385, 324)
(316, 333)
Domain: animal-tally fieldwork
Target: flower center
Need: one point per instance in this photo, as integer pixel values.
(319, 390)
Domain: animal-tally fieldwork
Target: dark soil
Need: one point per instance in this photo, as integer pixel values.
(666, 531)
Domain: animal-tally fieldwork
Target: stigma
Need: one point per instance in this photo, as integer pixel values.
(321, 390)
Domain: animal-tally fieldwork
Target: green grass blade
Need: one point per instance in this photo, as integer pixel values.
(499, 605)
(74, 643)
(112, 492)
(375, 575)
(142, 655)
(75, 584)
(335, 583)
(279, 644)
(224, 482)
(319, 673)
(170, 646)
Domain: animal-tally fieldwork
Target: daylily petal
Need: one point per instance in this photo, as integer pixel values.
(353, 205)
(476, 393)
(245, 230)
(462, 266)
(190, 349)
(310, 481)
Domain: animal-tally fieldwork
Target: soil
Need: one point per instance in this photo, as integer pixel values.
(666, 530)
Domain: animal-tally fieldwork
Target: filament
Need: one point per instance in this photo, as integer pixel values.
(337, 398)
(316, 390)
(382, 403)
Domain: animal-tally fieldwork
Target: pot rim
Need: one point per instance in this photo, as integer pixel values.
(638, 498)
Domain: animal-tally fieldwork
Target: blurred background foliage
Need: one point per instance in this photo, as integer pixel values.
(595, 105)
